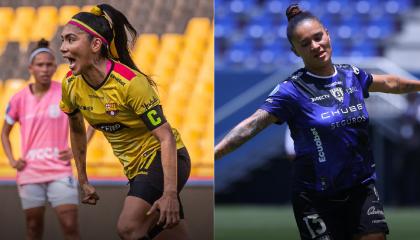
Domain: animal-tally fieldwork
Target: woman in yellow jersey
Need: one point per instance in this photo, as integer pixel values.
(106, 88)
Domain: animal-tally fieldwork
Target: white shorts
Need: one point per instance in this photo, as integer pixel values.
(57, 192)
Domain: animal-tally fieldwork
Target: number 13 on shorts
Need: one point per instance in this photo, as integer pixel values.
(316, 226)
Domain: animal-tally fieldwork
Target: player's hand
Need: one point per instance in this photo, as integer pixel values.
(168, 207)
(19, 164)
(89, 194)
(65, 155)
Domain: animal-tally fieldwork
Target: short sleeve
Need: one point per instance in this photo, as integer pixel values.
(12, 111)
(279, 103)
(141, 96)
(365, 80)
(66, 104)
(144, 101)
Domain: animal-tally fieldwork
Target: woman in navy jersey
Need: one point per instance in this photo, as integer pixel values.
(334, 195)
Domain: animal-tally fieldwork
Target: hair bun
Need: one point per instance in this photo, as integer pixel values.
(292, 11)
(43, 43)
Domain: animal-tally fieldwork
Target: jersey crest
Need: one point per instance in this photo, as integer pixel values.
(337, 93)
(111, 108)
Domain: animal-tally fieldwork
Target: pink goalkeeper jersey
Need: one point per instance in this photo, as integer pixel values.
(43, 131)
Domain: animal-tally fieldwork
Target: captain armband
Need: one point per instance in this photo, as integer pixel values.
(153, 117)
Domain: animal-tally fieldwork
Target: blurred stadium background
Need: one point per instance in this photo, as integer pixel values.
(175, 47)
(252, 54)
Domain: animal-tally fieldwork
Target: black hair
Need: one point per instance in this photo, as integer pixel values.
(295, 16)
(113, 30)
(41, 44)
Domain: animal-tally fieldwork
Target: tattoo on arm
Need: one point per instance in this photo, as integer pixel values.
(394, 84)
(243, 132)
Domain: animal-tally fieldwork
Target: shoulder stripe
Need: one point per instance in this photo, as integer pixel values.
(69, 74)
(124, 71)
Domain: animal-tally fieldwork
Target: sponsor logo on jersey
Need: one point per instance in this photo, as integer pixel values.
(110, 127)
(355, 70)
(348, 121)
(86, 108)
(351, 90)
(318, 143)
(111, 109)
(342, 111)
(118, 80)
(319, 98)
(297, 75)
(373, 211)
(337, 93)
(95, 96)
(152, 102)
(333, 84)
(54, 111)
(269, 100)
(42, 153)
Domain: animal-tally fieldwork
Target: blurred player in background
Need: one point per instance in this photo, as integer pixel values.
(105, 87)
(334, 195)
(44, 172)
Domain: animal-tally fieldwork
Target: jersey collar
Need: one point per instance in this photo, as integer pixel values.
(323, 77)
(105, 79)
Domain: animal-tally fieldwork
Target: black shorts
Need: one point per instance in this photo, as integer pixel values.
(354, 212)
(149, 187)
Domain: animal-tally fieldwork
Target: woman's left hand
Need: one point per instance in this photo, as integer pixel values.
(168, 207)
(65, 155)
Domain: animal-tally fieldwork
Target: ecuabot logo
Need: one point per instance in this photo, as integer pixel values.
(318, 144)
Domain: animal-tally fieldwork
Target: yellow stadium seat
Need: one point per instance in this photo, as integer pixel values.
(87, 8)
(145, 52)
(198, 28)
(13, 85)
(65, 13)
(47, 13)
(172, 44)
(10, 87)
(20, 30)
(146, 41)
(6, 16)
(45, 24)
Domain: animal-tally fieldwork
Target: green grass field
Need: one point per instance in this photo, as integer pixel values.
(255, 222)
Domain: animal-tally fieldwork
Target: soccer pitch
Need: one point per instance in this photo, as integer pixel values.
(259, 222)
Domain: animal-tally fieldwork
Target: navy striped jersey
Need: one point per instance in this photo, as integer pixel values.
(328, 121)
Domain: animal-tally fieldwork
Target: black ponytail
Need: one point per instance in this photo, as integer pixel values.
(119, 25)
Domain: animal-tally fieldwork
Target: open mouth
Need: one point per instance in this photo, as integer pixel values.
(72, 62)
(320, 55)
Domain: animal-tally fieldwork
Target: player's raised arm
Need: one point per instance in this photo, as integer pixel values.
(244, 131)
(393, 84)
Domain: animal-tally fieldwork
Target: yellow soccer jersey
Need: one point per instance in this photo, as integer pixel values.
(125, 108)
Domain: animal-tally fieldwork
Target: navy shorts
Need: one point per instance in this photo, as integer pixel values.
(357, 211)
(150, 187)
